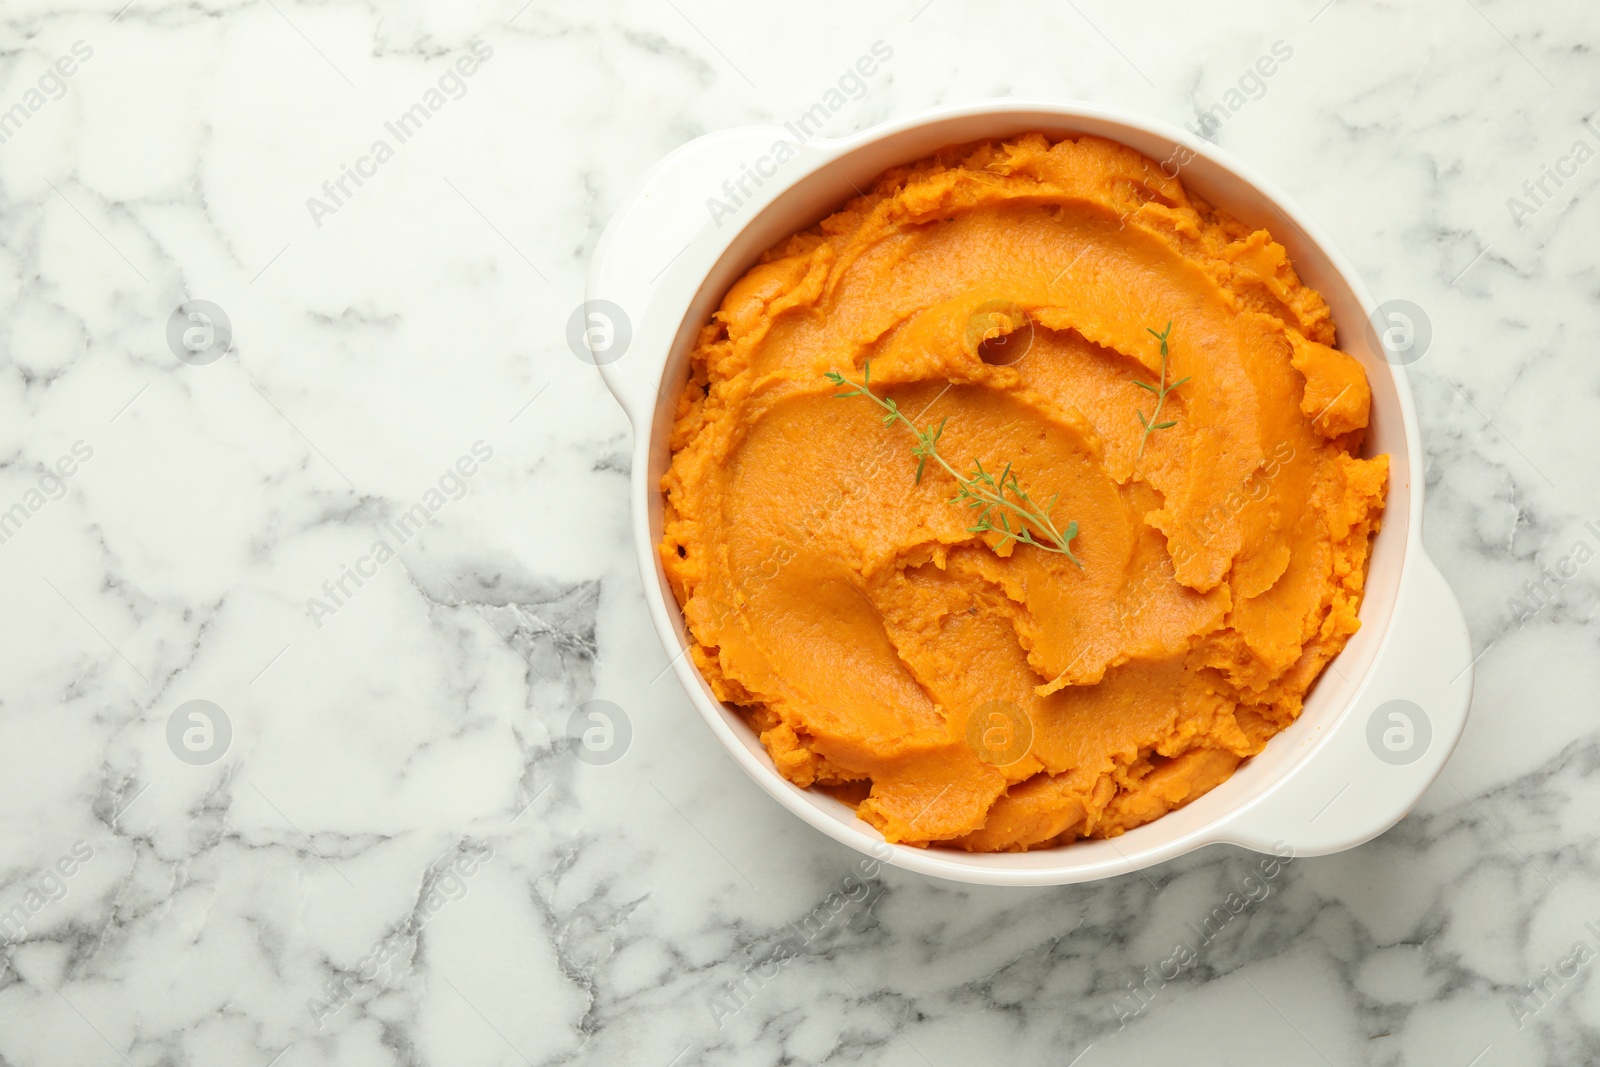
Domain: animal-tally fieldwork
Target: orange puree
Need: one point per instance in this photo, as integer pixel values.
(955, 690)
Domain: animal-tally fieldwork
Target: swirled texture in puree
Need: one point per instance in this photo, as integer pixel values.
(860, 625)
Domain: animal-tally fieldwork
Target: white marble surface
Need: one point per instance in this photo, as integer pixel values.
(294, 902)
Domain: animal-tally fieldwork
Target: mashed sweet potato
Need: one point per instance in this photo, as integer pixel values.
(990, 696)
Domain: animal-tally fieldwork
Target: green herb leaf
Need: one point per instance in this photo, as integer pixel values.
(1148, 422)
(979, 489)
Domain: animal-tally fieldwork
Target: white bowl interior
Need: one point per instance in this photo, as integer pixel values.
(814, 196)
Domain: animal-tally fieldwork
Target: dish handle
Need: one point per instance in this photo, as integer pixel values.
(706, 184)
(1389, 746)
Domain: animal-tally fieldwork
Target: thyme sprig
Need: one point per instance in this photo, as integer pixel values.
(1150, 423)
(996, 498)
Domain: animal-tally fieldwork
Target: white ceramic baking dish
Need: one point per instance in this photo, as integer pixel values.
(1380, 723)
